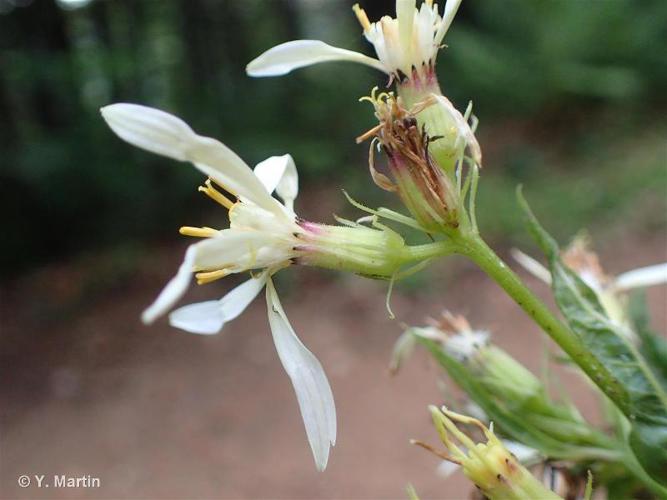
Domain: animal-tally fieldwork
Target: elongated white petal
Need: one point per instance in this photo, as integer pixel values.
(289, 56)
(403, 348)
(174, 290)
(168, 135)
(310, 383)
(238, 250)
(448, 16)
(531, 265)
(209, 317)
(288, 187)
(204, 318)
(238, 299)
(279, 173)
(405, 13)
(642, 277)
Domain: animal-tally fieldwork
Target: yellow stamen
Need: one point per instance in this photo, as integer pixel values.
(216, 195)
(209, 276)
(198, 232)
(361, 16)
(429, 3)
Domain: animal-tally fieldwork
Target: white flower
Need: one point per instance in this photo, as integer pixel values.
(609, 289)
(264, 235)
(406, 46)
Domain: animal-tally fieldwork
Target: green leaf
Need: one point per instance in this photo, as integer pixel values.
(653, 347)
(636, 393)
(521, 421)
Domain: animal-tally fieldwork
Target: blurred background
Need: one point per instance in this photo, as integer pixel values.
(572, 104)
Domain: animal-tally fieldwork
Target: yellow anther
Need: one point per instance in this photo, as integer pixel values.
(198, 232)
(361, 16)
(429, 3)
(216, 195)
(209, 276)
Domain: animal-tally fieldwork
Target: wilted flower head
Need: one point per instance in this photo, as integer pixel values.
(424, 188)
(406, 45)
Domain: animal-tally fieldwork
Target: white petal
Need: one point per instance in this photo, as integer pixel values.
(310, 383)
(525, 454)
(464, 345)
(447, 17)
(209, 317)
(642, 277)
(447, 468)
(238, 299)
(204, 318)
(279, 173)
(239, 250)
(531, 265)
(403, 348)
(150, 129)
(174, 290)
(429, 332)
(405, 14)
(288, 56)
(168, 135)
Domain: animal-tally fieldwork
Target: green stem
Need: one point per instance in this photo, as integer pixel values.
(472, 246)
(430, 250)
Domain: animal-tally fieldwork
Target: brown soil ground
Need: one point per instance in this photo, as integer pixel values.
(157, 413)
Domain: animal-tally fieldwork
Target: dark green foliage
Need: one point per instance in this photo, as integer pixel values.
(653, 347)
(553, 429)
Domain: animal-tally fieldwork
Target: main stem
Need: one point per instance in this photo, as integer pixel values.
(473, 247)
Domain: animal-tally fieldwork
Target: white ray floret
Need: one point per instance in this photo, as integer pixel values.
(310, 383)
(264, 235)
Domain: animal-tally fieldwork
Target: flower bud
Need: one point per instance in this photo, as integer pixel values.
(439, 118)
(490, 465)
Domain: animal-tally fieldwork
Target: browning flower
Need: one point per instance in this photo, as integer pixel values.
(423, 187)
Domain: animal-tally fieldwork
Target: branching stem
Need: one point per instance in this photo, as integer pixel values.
(472, 246)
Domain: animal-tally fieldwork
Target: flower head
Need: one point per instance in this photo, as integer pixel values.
(264, 235)
(406, 45)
